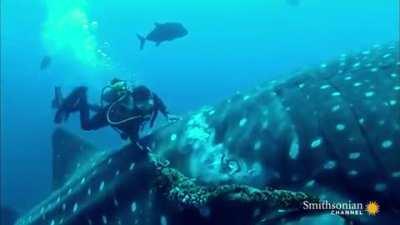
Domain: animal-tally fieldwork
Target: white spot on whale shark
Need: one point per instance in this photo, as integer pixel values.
(173, 137)
(354, 155)
(366, 52)
(133, 207)
(101, 187)
(310, 183)
(326, 86)
(75, 208)
(387, 144)
(374, 69)
(340, 127)
(294, 149)
(335, 108)
(356, 65)
(246, 97)
(392, 102)
(116, 203)
(257, 145)
(132, 166)
(163, 220)
(330, 165)
(379, 187)
(348, 78)
(369, 94)
(353, 173)
(104, 219)
(242, 122)
(316, 143)
(396, 174)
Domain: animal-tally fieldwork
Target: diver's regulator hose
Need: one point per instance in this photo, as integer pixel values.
(115, 123)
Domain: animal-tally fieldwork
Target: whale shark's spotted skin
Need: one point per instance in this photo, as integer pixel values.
(342, 119)
(332, 131)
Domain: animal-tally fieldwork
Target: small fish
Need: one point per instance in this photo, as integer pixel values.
(46, 62)
(163, 32)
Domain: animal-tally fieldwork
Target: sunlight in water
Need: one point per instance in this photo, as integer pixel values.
(68, 30)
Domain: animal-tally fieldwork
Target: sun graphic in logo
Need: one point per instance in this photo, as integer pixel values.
(372, 208)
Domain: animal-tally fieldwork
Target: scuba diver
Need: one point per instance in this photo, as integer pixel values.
(123, 107)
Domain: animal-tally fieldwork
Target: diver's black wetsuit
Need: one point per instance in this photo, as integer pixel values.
(129, 129)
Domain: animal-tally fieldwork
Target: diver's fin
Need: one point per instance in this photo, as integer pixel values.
(142, 41)
(70, 154)
(70, 104)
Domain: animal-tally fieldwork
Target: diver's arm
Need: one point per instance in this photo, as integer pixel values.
(159, 105)
(153, 118)
(96, 122)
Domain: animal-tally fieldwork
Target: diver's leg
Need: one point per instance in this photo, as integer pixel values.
(97, 121)
(69, 104)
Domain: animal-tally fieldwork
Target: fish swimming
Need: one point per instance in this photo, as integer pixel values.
(163, 32)
(45, 63)
(332, 131)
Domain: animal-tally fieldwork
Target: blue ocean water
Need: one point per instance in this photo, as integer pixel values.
(232, 45)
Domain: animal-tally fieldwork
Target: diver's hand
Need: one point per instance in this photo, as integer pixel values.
(173, 118)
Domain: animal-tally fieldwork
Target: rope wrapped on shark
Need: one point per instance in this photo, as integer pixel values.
(331, 131)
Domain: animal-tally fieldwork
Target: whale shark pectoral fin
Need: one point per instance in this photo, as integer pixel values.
(158, 43)
(69, 152)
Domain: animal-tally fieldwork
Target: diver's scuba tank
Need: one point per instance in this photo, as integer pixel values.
(117, 93)
(114, 91)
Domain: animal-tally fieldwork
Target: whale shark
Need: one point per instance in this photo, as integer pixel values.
(332, 131)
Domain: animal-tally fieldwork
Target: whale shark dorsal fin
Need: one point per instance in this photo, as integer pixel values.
(69, 152)
(157, 24)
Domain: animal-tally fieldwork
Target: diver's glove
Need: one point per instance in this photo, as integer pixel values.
(70, 104)
(173, 118)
